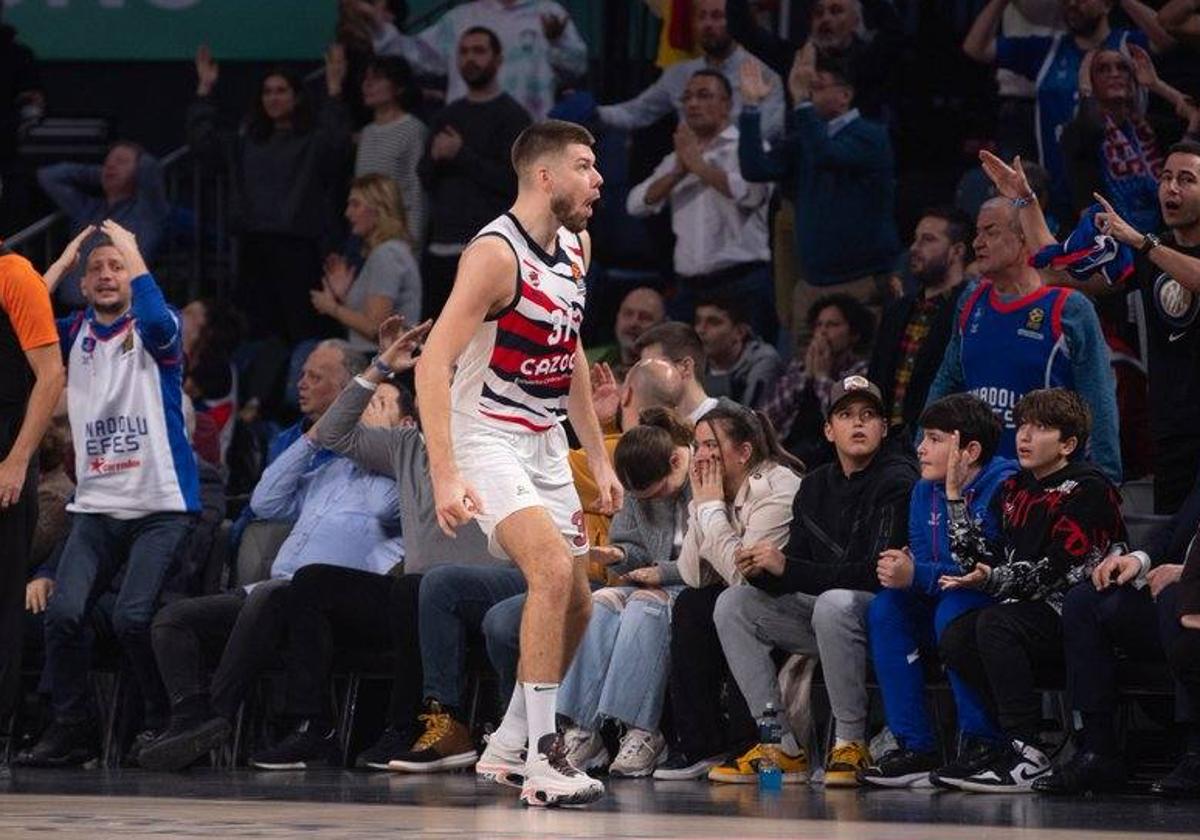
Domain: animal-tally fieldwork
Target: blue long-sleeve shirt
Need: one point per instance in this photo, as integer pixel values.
(342, 513)
(840, 176)
(75, 189)
(1091, 375)
(928, 521)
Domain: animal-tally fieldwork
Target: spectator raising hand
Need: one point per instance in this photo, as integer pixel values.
(125, 242)
(753, 83)
(400, 355)
(68, 260)
(207, 71)
(804, 70)
(335, 69)
(1010, 181)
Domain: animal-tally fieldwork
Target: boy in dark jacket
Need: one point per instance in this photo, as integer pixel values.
(1059, 519)
(911, 611)
(812, 598)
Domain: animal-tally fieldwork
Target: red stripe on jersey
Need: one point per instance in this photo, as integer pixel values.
(576, 251)
(522, 325)
(518, 420)
(539, 298)
(506, 360)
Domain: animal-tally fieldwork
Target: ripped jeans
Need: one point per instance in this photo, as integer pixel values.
(620, 670)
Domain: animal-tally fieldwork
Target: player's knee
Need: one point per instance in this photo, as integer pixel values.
(554, 580)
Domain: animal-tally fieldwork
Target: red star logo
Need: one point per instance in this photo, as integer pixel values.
(96, 464)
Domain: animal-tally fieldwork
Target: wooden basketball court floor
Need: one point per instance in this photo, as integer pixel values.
(93, 804)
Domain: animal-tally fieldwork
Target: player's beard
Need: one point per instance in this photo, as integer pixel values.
(573, 220)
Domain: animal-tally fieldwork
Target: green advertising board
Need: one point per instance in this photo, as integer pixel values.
(170, 30)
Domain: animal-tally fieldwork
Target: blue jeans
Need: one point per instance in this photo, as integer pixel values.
(620, 670)
(502, 635)
(98, 548)
(903, 626)
(453, 602)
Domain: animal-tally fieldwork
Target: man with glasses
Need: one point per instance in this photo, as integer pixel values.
(720, 220)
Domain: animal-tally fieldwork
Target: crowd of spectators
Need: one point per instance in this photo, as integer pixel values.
(836, 449)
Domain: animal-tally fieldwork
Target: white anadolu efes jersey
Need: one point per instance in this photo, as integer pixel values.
(125, 403)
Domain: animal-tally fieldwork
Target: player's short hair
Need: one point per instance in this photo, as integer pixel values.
(547, 138)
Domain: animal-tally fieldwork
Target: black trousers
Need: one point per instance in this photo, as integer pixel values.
(235, 633)
(1182, 646)
(1184, 656)
(17, 524)
(331, 608)
(700, 677)
(1005, 652)
(1095, 626)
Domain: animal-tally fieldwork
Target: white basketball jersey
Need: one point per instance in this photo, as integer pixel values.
(516, 372)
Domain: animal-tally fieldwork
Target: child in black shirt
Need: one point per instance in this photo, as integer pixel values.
(1059, 519)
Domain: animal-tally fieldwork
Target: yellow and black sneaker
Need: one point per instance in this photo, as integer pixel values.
(444, 745)
(743, 770)
(845, 762)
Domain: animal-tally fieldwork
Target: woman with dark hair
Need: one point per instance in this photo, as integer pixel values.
(842, 329)
(284, 167)
(630, 627)
(743, 484)
(394, 141)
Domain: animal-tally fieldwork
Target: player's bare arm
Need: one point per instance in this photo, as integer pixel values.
(484, 285)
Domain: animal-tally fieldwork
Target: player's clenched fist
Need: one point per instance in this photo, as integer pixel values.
(456, 503)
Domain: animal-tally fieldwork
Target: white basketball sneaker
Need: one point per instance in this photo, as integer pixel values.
(551, 780)
(501, 764)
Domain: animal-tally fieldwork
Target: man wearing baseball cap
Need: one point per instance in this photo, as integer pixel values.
(812, 597)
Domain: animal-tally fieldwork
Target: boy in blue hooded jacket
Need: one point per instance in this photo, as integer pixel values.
(911, 611)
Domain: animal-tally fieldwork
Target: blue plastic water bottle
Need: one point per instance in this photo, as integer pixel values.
(770, 776)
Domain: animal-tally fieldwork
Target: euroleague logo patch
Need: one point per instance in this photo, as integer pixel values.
(1176, 304)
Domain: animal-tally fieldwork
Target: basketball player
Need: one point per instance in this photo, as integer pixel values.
(502, 368)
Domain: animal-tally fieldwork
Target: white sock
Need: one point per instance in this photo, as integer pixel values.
(788, 744)
(541, 701)
(513, 728)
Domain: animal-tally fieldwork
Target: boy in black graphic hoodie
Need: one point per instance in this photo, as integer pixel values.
(1059, 519)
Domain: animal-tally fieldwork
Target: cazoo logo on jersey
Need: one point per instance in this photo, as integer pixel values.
(563, 363)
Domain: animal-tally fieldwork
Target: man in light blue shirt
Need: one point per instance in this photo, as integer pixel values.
(344, 516)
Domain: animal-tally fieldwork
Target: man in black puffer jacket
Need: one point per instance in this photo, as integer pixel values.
(812, 597)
